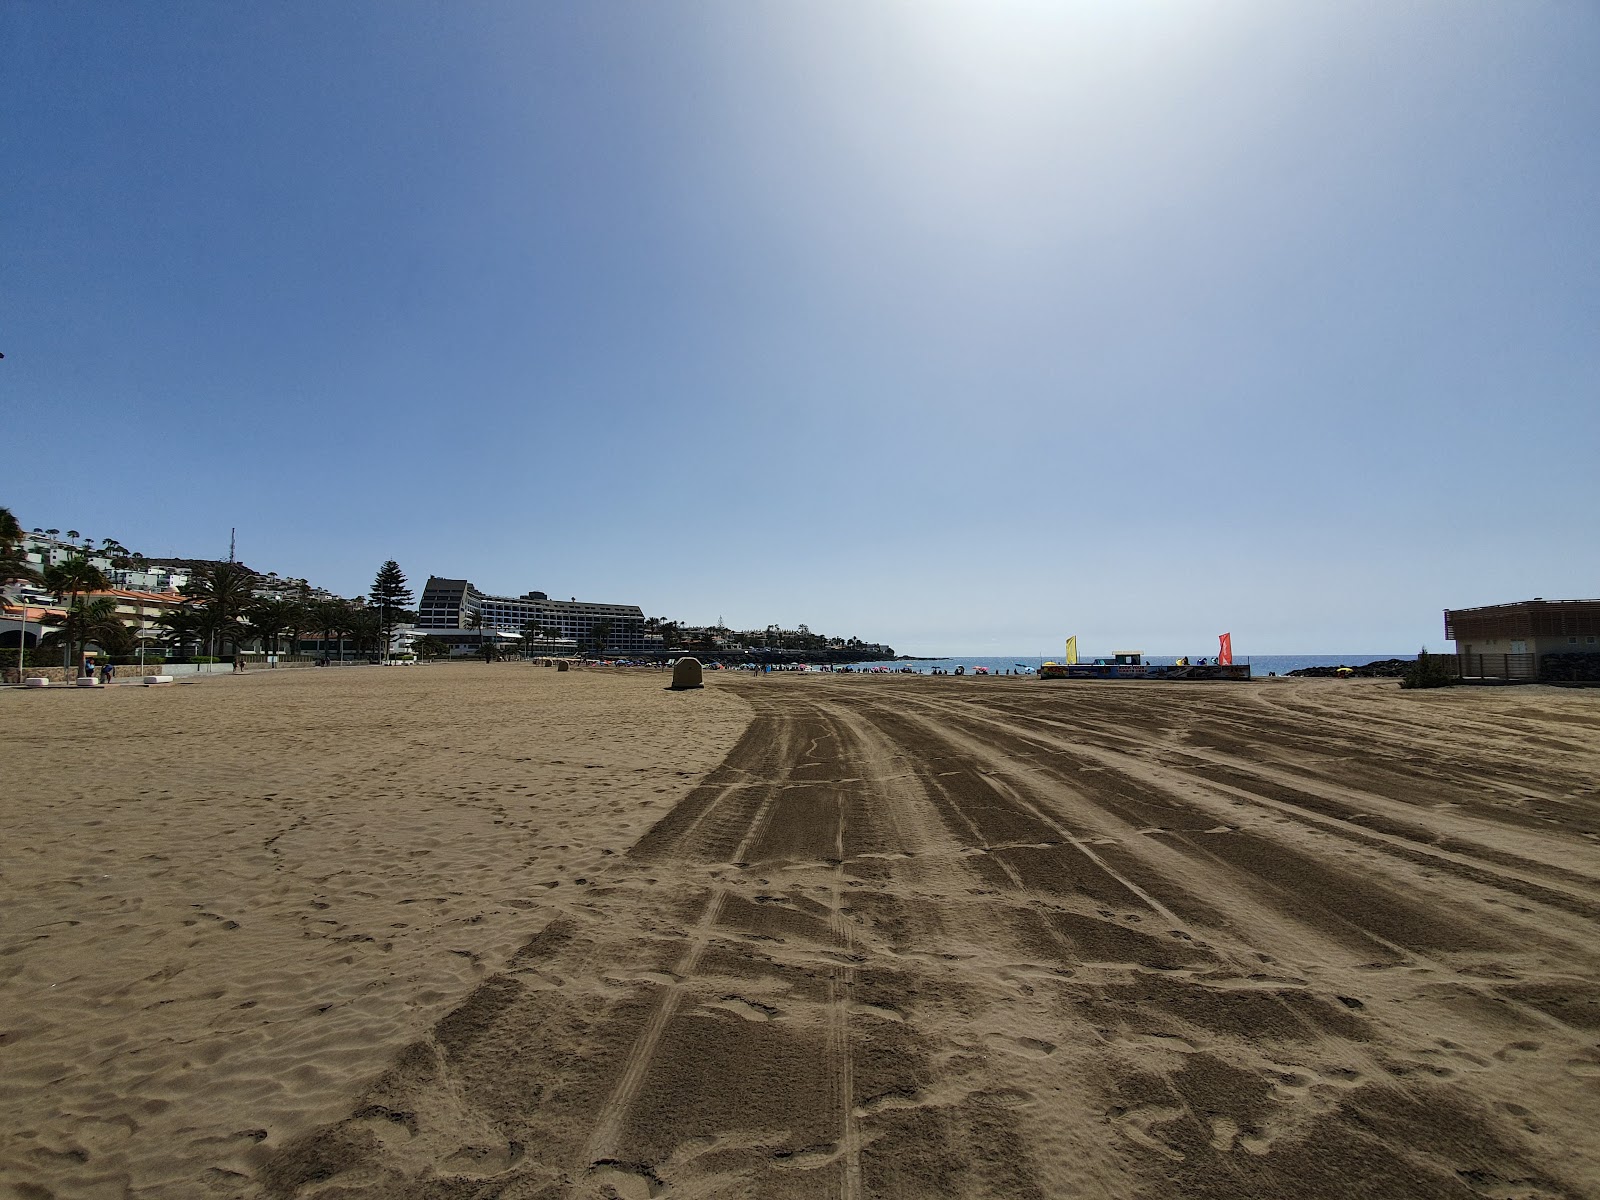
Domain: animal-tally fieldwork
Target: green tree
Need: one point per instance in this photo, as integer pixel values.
(14, 564)
(599, 634)
(430, 647)
(533, 633)
(300, 614)
(71, 578)
(330, 616)
(181, 628)
(15, 568)
(268, 618)
(391, 597)
(91, 621)
(366, 628)
(121, 557)
(224, 590)
(1430, 671)
(478, 622)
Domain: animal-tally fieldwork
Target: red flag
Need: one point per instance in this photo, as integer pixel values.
(1225, 651)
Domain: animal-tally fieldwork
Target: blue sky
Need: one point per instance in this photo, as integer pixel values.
(960, 326)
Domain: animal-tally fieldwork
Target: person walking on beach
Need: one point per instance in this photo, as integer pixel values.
(107, 671)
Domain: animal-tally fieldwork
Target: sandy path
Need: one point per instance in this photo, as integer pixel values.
(999, 938)
(225, 908)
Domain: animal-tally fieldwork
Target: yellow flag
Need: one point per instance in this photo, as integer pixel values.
(1072, 649)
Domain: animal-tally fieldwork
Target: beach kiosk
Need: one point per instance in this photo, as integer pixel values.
(1130, 664)
(1123, 664)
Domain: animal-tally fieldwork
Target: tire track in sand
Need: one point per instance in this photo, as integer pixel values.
(949, 956)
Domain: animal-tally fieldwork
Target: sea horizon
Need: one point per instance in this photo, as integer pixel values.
(1261, 664)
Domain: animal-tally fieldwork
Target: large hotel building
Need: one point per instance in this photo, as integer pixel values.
(451, 606)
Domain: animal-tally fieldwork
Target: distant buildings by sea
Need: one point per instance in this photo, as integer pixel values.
(459, 615)
(452, 614)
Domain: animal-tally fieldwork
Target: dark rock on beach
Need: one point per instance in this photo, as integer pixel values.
(1384, 668)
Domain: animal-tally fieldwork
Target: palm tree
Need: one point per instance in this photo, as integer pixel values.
(183, 625)
(226, 590)
(14, 564)
(94, 621)
(366, 628)
(477, 622)
(72, 578)
(117, 553)
(331, 616)
(297, 620)
(15, 568)
(431, 647)
(267, 619)
(533, 632)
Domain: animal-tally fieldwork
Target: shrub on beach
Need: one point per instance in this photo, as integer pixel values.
(1430, 671)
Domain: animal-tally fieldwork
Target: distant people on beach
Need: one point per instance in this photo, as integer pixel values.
(107, 671)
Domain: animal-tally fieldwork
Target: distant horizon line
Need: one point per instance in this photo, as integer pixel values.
(1163, 654)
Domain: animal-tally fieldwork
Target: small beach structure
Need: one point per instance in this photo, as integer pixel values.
(1555, 640)
(686, 673)
(1130, 664)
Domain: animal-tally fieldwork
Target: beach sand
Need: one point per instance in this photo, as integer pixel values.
(482, 932)
(225, 907)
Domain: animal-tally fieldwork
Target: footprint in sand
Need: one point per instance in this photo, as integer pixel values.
(875, 1010)
(483, 1161)
(1159, 1041)
(1518, 1050)
(1027, 1047)
(623, 1181)
(1138, 1125)
(748, 1010)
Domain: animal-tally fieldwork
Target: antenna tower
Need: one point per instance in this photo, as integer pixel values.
(232, 532)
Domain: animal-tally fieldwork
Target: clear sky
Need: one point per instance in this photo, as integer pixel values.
(962, 326)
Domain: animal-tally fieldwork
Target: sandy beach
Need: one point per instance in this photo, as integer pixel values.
(468, 931)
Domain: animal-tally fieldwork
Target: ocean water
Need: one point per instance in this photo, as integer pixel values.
(1260, 664)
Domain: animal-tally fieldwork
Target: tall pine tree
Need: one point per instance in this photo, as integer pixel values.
(391, 597)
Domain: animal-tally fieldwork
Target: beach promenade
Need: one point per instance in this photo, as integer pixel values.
(494, 931)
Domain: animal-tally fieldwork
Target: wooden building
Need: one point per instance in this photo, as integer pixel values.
(1531, 639)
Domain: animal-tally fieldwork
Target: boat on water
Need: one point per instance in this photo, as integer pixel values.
(1130, 664)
